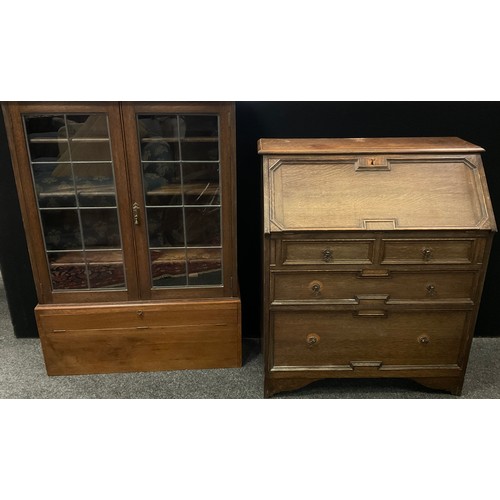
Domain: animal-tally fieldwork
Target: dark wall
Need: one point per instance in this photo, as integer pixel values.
(14, 259)
(477, 122)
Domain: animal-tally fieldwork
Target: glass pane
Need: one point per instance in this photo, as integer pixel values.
(206, 126)
(53, 191)
(105, 269)
(162, 183)
(201, 139)
(82, 127)
(90, 150)
(95, 184)
(201, 183)
(159, 137)
(46, 136)
(203, 226)
(100, 228)
(67, 270)
(200, 151)
(61, 229)
(165, 227)
(204, 266)
(168, 267)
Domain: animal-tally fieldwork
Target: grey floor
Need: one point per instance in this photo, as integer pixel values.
(23, 376)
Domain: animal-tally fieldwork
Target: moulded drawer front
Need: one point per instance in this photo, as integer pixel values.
(136, 316)
(317, 286)
(456, 251)
(342, 339)
(327, 252)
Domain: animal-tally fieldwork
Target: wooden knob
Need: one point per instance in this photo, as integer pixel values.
(316, 287)
(312, 339)
(424, 339)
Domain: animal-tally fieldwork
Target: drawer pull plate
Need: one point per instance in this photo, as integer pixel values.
(374, 273)
(370, 313)
(427, 254)
(365, 364)
(327, 255)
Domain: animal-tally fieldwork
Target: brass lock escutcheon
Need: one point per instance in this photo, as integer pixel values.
(431, 290)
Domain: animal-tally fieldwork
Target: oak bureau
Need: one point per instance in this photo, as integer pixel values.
(375, 253)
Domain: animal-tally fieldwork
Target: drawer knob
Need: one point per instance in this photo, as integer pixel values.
(312, 339)
(140, 314)
(424, 339)
(431, 290)
(316, 287)
(327, 255)
(427, 254)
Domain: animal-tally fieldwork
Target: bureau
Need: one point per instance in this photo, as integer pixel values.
(374, 257)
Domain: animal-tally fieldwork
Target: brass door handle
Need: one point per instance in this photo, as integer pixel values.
(136, 213)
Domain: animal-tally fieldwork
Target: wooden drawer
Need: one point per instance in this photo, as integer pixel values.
(428, 251)
(342, 340)
(140, 337)
(404, 286)
(327, 252)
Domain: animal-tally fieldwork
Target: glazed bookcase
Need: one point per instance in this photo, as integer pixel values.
(129, 212)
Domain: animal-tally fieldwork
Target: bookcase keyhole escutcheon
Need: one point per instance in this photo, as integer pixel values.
(375, 253)
(129, 212)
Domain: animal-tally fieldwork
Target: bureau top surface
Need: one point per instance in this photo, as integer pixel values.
(367, 145)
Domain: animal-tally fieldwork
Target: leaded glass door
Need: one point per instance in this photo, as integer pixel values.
(180, 191)
(74, 181)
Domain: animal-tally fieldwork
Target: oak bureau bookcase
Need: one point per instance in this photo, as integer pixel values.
(375, 253)
(129, 212)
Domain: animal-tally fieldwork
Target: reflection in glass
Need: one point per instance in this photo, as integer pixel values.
(100, 228)
(162, 183)
(94, 184)
(105, 269)
(53, 191)
(205, 126)
(201, 183)
(67, 270)
(61, 229)
(204, 266)
(165, 227)
(168, 267)
(203, 226)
